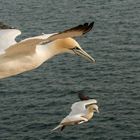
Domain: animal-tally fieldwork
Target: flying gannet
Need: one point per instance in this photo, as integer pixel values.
(30, 53)
(81, 112)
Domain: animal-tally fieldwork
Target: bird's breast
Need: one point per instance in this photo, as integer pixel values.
(89, 116)
(19, 64)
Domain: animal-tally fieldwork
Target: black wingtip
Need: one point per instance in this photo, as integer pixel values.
(88, 27)
(91, 24)
(83, 97)
(4, 26)
(88, 24)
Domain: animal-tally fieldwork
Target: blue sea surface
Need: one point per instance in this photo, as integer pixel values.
(33, 103)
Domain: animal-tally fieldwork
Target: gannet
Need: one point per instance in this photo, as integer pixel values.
(81, 112)
(30, 53)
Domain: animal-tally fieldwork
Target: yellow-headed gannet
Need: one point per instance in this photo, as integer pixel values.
(81, 112)
(30, 53)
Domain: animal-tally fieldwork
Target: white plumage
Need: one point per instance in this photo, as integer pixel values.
(81, 112)
(7, 38)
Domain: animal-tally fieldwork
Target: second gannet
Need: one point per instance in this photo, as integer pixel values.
(30, 53)
(81, 112)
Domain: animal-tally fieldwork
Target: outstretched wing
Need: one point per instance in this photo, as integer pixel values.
(72, 32)
(80, 107)
(7, 38)
(4, 26)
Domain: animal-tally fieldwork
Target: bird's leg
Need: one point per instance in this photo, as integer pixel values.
(63, 127)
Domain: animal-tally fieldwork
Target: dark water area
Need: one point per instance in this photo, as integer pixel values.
(33, 103)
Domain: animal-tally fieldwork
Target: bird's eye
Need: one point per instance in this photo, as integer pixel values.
(77, 48)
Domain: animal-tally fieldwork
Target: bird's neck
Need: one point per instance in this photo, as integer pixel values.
(48, 51)
(89, 115)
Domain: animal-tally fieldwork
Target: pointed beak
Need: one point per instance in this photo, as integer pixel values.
(98, 111)
(82, 53)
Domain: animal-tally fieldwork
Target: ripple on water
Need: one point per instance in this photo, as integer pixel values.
(33, 103)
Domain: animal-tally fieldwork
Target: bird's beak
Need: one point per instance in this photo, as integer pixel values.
(82, 53)
(98, 111)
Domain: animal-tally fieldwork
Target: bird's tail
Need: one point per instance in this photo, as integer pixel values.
(57, 127)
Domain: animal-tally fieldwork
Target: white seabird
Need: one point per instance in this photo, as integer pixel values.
(81, 112)
(30, 53)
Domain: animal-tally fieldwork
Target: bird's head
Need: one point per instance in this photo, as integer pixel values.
(95, 108)
(71, 46)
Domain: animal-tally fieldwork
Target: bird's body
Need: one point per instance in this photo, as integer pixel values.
(30, 53)
(31, 56)
(81, 112)
(17, 60)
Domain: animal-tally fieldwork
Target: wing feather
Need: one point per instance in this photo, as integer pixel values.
(7, 38)
(73, 119)
(72, 32)
(4, 26)
(80, 107)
